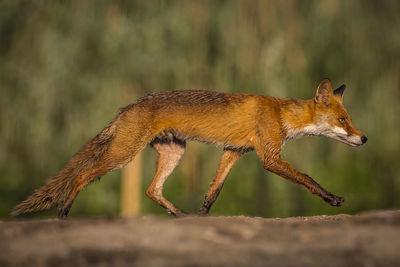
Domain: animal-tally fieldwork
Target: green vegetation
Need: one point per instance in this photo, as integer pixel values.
(67, 66)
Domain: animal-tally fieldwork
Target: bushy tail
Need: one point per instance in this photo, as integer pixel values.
(57, 188)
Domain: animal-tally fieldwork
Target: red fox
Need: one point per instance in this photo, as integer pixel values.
(237, 122)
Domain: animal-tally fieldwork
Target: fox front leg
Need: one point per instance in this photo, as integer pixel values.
(285, 170)
(269, 153)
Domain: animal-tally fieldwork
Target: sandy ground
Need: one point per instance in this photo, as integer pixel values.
(369, 239)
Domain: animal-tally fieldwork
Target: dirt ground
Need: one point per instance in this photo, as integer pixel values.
(368, 239)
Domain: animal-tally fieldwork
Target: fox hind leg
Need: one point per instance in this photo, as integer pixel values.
(170, 152)
(227, 161)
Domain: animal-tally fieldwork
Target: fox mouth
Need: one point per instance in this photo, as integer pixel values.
(350, 140)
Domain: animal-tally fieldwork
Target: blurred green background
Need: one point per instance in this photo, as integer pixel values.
(67, 66)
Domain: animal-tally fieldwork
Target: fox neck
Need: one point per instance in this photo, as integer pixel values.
(297, 118)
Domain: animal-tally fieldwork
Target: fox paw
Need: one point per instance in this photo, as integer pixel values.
(178, 213)
(335, 200)
(203, 212)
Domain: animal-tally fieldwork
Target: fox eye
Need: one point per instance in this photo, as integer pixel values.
(342, 120)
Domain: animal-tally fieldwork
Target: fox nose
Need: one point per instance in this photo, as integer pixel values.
(364, 139)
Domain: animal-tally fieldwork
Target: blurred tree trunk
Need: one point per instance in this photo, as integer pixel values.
(131, 187)
(191, 176)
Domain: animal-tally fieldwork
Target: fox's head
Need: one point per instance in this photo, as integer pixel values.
(331, 118)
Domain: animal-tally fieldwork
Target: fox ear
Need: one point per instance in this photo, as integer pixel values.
(339, 92)
(324, 92)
